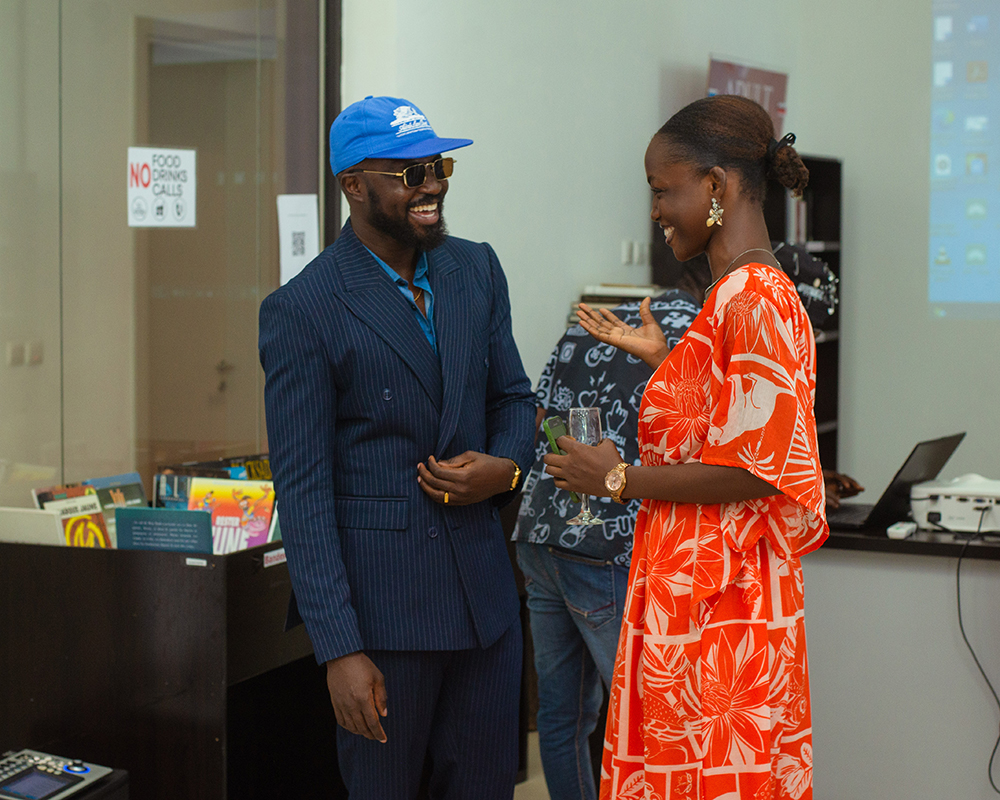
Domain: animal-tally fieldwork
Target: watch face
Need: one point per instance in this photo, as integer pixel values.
(614, 481)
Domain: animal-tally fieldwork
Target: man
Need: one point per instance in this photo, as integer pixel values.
(398, 414)
(576, 576)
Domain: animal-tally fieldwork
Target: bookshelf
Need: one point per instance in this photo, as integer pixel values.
(814, 222)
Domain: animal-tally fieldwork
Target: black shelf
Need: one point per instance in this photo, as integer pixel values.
(821, 235)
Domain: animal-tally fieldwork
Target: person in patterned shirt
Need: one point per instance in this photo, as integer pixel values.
(576, 575)
(710, 695)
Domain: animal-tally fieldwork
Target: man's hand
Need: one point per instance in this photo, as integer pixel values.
(357, 692)
(466, 479)
(583, 468)
(839, 486)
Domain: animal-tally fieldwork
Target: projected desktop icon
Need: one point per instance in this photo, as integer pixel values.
(944, 71)
(977, 71)
(942, 258)
(944, 118)
(975, 209)
(943, 27)
(980, 23)
(942, 165)
(975, 255)
(975, 164)
(977, 124)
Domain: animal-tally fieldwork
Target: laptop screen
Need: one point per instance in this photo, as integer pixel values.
(923, 464)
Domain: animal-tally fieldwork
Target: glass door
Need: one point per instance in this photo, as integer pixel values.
(159, 337)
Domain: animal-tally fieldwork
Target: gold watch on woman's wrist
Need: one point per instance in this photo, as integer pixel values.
(614, 482)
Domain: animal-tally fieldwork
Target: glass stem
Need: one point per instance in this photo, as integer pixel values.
(584, 505)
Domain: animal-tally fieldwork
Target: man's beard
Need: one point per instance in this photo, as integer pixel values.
(403, 231)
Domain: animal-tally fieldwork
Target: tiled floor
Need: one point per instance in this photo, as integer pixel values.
(534, 787)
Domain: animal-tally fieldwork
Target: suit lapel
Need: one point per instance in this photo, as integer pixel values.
(453, 328)
(376, 301)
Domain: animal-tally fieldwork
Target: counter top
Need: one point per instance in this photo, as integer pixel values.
(921, 543)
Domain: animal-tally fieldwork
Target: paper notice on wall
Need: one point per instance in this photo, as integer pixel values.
(162, 188)
(298, 232)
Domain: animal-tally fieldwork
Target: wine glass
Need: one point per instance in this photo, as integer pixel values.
(585, 427)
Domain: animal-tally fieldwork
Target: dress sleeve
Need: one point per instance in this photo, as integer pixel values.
(762, 420)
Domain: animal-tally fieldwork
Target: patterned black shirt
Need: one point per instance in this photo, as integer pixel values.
(583, 372)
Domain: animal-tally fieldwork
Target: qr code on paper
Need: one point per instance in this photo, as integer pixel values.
(298, 243)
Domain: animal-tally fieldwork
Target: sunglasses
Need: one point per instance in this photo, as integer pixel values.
(416, 174)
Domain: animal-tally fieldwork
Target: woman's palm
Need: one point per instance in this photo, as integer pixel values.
(646, 341)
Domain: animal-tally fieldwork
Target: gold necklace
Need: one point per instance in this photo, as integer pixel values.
(725, 272)
(417, 295)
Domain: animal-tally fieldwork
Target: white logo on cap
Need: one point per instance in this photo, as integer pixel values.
(409, 120)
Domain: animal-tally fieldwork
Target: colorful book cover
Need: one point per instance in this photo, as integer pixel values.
(117, 491)
(241, 511)
(171, 491)
(142, 528)
(82, 518)
(42, 496)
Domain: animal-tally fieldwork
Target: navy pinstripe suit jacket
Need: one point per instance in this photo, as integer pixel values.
(355, 397)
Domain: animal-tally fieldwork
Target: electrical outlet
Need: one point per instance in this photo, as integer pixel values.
(627, 251)
(641, 253)
(36, 353)
(15, 354)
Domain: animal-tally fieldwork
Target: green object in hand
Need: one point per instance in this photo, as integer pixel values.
(555, 427)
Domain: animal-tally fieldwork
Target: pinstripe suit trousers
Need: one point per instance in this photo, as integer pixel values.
(460, 714)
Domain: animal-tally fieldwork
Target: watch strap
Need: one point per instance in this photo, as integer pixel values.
(619, 469)
(517, 474)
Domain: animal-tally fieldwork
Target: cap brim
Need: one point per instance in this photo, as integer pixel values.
(423, 148)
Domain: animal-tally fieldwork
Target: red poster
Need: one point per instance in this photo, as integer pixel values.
(765, 87)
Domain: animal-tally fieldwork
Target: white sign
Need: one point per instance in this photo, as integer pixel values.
(298, 232)
(162, 188)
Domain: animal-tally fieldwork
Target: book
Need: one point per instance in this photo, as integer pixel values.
(274, 532)
(79, 510)
(118, 491)
(42, 496)
(31, 526)
(241, 511)
(171, 491)
(255, 467)
(142, 528)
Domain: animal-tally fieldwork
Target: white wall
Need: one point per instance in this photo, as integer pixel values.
(899, 710)
(562, 98)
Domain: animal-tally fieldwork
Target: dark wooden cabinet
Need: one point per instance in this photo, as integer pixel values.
(813, 221)
(171, 666)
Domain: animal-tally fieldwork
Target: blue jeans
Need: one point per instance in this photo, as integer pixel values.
(575, 605)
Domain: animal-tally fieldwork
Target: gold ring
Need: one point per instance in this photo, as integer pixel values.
(446, 498)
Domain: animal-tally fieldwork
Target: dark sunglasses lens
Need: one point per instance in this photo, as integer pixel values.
(443, 168)
(414, 175)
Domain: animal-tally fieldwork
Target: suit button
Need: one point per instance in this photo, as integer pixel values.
(386, 394)
(432, 532)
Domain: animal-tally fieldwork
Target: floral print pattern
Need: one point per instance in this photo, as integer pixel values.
(710, 697)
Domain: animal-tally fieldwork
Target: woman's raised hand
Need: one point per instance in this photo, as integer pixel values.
(646, 342)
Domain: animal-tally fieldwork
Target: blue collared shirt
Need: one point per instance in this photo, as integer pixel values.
(420, 280)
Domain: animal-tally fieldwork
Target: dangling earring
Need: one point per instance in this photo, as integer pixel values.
(715, 215)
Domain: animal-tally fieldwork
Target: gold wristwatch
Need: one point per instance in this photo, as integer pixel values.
(517, 474)
(614, 482)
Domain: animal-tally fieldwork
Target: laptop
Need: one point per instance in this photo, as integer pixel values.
(923, 464)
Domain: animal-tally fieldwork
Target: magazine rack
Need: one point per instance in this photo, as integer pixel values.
(173, 666)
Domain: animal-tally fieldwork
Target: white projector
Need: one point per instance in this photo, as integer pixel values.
(968, 503)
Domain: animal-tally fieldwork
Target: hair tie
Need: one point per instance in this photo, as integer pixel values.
(776, 144)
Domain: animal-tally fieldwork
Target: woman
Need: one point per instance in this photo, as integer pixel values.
(710, 696)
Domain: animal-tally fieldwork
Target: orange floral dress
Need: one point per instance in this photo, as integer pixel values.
(710, 697)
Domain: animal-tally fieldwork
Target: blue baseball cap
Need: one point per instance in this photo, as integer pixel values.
(384, 127)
